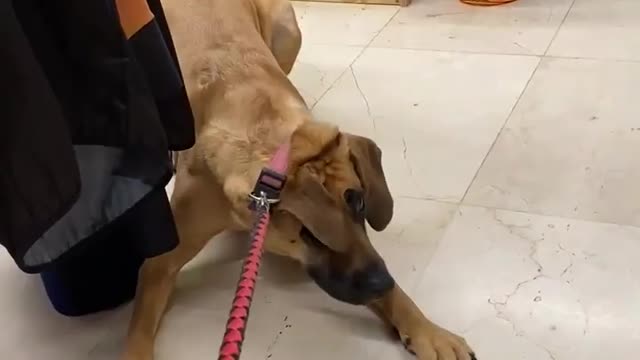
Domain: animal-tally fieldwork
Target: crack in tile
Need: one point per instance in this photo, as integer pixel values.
(515, 230)
(500, 306)
(572, 255)
(506, 193)
(405, 150)
(551, 355)
(302, 15)
(431, 16)
(587, 319)
(277, 338)
(566, 269)
(366, 101)
(321, 80)
(522, 47)
(402, 231)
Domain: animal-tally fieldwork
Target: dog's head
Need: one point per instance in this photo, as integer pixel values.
(336, 184)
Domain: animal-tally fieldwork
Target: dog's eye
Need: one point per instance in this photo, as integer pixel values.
(355, 201)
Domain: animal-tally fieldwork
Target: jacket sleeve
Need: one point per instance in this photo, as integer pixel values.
(154, 50)
(86, 121)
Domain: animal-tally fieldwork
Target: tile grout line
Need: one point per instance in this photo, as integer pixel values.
(516, 211)
(454, 51)
(540, 214)
(504, 124)
(555, 35)
(350, 66)
(423, 271)
(466, 52)
(613, 60)
(515, 105)
(427, 198)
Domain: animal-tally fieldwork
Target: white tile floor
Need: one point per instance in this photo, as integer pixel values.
(510, 137)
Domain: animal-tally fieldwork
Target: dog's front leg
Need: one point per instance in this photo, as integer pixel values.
(422, 337)
(200, 212)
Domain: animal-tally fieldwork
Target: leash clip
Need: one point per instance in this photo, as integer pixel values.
(267, 190)
(261, 202)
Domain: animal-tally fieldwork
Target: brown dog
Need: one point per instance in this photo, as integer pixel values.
(235, 56)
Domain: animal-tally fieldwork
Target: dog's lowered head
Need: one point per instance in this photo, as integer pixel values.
(336, 183)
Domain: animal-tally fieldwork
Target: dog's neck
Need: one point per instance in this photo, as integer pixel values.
(236, 155)
(250, 136)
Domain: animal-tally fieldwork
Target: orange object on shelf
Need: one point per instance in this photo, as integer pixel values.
(487, 2)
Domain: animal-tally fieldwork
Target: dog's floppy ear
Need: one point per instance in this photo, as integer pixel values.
(308, 200)
(367, 158)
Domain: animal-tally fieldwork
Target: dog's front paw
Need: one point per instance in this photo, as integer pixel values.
(435, 343)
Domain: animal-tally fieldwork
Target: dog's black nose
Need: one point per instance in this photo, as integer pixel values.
(375, 280)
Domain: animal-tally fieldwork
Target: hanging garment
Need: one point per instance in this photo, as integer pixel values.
(89, 115)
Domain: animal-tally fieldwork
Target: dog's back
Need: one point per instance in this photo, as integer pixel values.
(228, 67)
(234, 56)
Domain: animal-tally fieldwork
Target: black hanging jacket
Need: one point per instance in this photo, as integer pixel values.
(87, 119)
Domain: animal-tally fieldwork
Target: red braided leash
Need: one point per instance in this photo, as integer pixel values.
(236, 326)
(266, 192)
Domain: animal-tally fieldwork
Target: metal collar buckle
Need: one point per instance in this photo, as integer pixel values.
(267, 190)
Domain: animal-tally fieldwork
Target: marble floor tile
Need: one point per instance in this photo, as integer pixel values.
(522, 286)
(319, 66)
(567, 149)
(341, 24)
(33, 330)
(602, 30)
(524, 27)
(434, 114)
